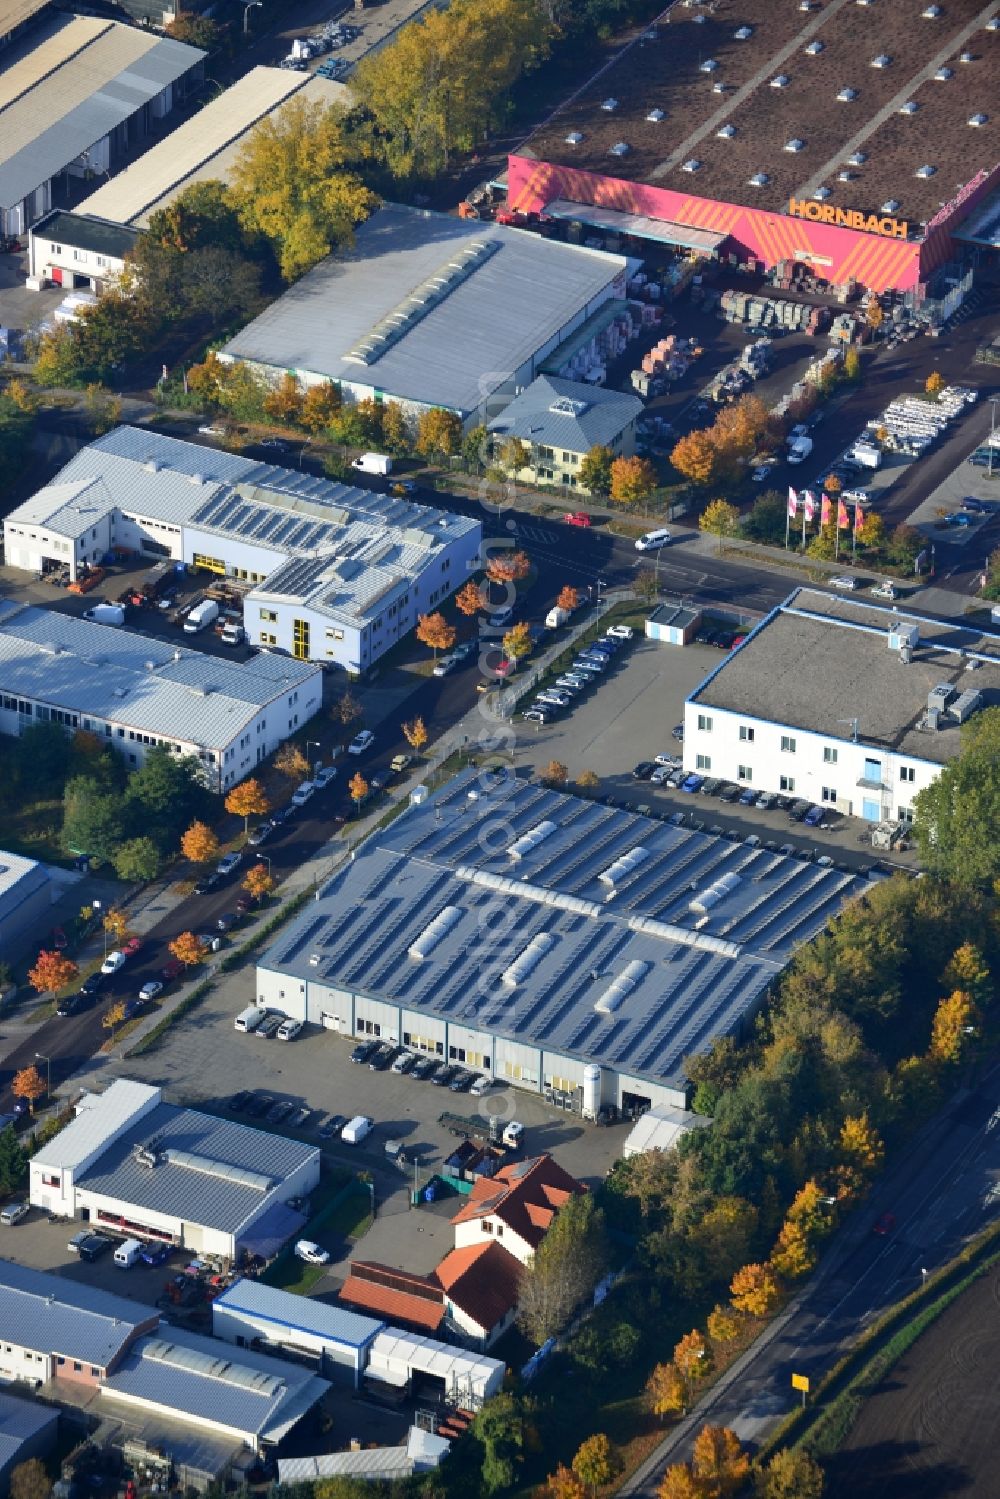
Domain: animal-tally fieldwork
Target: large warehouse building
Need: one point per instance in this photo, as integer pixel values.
(340, 574)
(77, 93)
(158, 1172)
(553, 942)
(430, 310)
(842, 703)
(854, 137)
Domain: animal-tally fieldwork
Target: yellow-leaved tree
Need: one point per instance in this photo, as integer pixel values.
(248, 799)
(754, 1290)
(292, 182)
(199, 843)
(955, 1023)
(666, 1390)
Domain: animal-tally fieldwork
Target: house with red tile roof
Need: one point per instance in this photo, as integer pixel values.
(481, 1285)
(515, 1207)
(412, 1301)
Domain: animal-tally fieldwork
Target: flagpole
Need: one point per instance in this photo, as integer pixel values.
(805, 508)
(854, 533)
(788, 517)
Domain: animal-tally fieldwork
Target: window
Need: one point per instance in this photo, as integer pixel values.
(77, 1367)
(787, 783)
(787, 744)
(744, 773)
(300, 639)
(907, 773)
(829, 755)
(828, 794)
(746, 734)
(703, 762)
(487, 1226)
(705, 722)
(270, 615)
(904, 814)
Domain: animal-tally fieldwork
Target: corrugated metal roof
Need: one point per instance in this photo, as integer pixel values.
(206, 1380)
(298, 1313)
(469, 343)
(190, 1191)
(13, 869)
(99, 1117)
(395, 1349)
(368, 1462)
(14, 13)
(53, 1315)
(33, 57)
(136, 681)
(20, 1421)
(205, 147)
(564, 414)
(81, 100)
(632, 975)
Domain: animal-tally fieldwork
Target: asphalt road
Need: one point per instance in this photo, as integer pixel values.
(944, 1191)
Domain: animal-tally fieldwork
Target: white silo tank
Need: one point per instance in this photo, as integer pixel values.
(591, 1091)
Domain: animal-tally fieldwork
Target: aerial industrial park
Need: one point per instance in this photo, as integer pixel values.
(499, 728)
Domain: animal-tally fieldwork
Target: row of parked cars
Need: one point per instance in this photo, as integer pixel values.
(587, 668)
(384, 1056)
(666, 770)
(270, 1110)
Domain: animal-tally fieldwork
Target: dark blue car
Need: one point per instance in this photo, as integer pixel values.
(692, 783)
(813, 817)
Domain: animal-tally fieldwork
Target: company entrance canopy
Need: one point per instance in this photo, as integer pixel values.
(684, 236)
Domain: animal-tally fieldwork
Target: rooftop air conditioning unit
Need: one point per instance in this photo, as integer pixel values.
(710, 65)
(846, 176)
(857, 158)
(909, 108)
(847, 95)
(882, 61)
(967, 57)
(726, 133)
(943, 74)
(931, 13)
(993, 24)
(978, 120)
(620, 148)
(743, 34)
(795, 145)
(759, 179)
(814, 49)
(821, 194)
(691, 165)
(574, 138)
(782, 81)
(610, 105)
(655, 116)
(891, 205)
(925, 171)
(866, 2)
(808, 4)
(719, 87)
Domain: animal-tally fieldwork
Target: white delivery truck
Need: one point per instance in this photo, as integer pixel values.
(106, 614)
(557, 617)
(867, 454)
(233, 633)
(201, 616)
(373, 463)
(126, 1254)
(357, 1129)
(250, 1018)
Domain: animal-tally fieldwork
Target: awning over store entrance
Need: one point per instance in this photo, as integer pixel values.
(614, 221)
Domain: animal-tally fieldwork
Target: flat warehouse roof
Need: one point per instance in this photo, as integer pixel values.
(428, 307)
(702, 69)
(80, 98)
(304, 1314)
(53, 1315)
(205, 146)
(819, 660)
(208, 1171)
(631, 943)
(14, 13)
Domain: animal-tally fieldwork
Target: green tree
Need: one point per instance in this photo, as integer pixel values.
(792, 1473)
(596, 1462)
(395, 429)
(766, 519)
(166, 791)
(439, 433)
(13, 1161)
(955, 810)
(595, 470)
(515, 455)
(93, 821)
(566, 1266)
(292, 182)
(719, 518)
(499, 1428)
(197, 31)
(476, 449)
(137, 859)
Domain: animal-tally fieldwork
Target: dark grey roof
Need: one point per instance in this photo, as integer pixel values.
(559, 413)
(210, 1171)
(209, 1380)
(53, 1315)
(819, 661)
(83, 232)
(21, 1421)
(625, 941)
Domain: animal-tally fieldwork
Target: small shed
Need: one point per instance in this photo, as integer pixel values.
(674, 624)
(407, 1361)
(331, 1337)
(660, 1129)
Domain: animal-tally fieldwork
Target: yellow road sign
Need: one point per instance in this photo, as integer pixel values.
(801, 1382)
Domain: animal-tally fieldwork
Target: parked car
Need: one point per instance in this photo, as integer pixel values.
(425, 1068)
(239, 1101)
(443, 1077)
(383, 1054)
(208, 882)
(299, 1117)
(570, 684)
(361, 742)
(499, 619)
(269, 1026)
(289, 1029)
(260, 833)
(405, 1062)
(844, 581)
(643, 771)
(306, 1250)
(324, 776)
(73, 1004)
(13, 1213)
(93, 1246)
(171, 970)
(226, 921)
(748, 797)
(156, 1254)
(678, 732)
(331, 1127)
(260, 1105)
(363, 1051)
(577, 518)
(113, 962)
(652, 541)
(728, 792)
(131, 947)
(711, 786)
(536, 715)
(692, 783)
(74, 1244)
(481, 1084)
(278, 1112)
(58, 939)
(798, 810)
(303, 793)
(229, 863)
(661, 774)
(766, 800)
(462, 1080)
(621, 632)
(814, 817)
(399, 763)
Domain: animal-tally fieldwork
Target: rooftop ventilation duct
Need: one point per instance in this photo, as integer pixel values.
(726, 133)
(503, 884)
(718, 890)
(795, 145)
(655, 116)
(821, 194)
(882, 61)
(925, 171)
(847, 95)
(531, 839)
(620, 148)
(759, 179)
(435, 932)
(610, 105)
(624, 865)
(743, 33)
(630, 977)
(527, 961)
(943, 74)
(857, 158)
(967, 57)
(814, 49)
(574, 138)
(666, 931)
(691, 165)
(909, 108)
(890, 205)
(931, 13)
(710, 65)
(977, 120)
(782, 81)
(846, 176)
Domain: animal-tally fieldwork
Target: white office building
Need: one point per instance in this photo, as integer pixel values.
(841, 703)
(338, 574)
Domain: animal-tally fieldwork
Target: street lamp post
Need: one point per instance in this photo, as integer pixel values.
(993, 428)
(315, 742)
(247, 8)
(40, 1057)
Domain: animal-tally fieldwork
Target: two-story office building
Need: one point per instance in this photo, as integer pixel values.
(841, 703)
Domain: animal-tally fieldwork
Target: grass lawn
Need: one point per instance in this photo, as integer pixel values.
(347, 1218)
(33, 831)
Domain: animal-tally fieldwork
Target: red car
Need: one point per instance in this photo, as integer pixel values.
(58, 938)
(172, 970)
(132, 946)
(885, 1224)
(577, 518)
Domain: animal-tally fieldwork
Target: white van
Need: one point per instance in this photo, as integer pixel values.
(359, 1128)
(250, 1018)
(126, 1254)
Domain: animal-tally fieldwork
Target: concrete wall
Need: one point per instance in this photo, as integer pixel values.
(340, 1361)
(20, 1363)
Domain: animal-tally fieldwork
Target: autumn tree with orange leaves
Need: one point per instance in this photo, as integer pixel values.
(248, 799)
(28, 1083)
(52, 972)
(187, 949)
(754, 1290)
(508, 567)
(569, 598)
(469, 599)
(258, 881)
(435, 631)
(199, 843)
